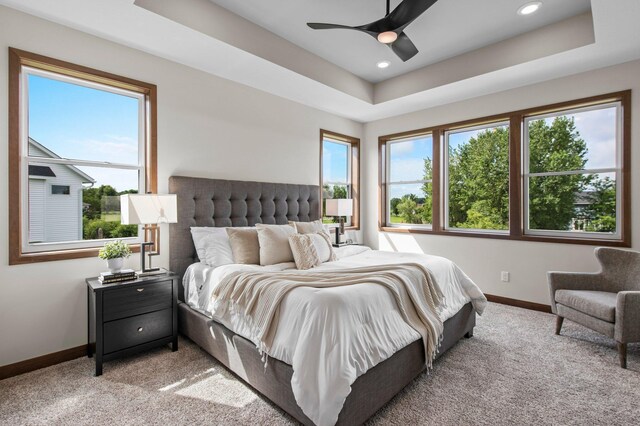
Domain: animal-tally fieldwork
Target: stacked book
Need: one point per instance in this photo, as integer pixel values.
(123, 275)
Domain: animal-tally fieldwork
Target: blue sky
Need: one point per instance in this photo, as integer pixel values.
(88, 124)
(334, 161)
(407, 164)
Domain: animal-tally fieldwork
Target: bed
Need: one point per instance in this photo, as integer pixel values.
(223, 203)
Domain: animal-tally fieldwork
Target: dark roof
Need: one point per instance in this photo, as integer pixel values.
(41, 171)
(584, 198)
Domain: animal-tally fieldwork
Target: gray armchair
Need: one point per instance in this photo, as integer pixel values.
(607, 301)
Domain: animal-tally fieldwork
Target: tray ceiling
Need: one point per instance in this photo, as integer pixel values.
(449, 28)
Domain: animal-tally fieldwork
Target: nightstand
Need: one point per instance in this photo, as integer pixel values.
(132, 316)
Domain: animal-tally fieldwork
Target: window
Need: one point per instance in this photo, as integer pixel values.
(60, 190)
(556, 173)
(339, 168)
(572, 172)
(477, 178)
(86, 135)
(409, 181)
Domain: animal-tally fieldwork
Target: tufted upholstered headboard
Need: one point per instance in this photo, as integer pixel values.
(217, 202)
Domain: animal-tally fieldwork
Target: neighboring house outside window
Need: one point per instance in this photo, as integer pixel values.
(61, 190)
(79, 139)
(53, 218)
(339, 168)
(556, 173)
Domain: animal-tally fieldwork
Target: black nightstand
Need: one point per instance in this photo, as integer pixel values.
(132, 316)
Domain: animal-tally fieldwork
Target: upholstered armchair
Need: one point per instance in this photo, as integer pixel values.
(607, 301)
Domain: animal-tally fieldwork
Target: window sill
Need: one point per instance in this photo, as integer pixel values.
(502, 236)
(48, 256)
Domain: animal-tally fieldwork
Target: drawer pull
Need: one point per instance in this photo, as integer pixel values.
(139, 290)
(140, 329)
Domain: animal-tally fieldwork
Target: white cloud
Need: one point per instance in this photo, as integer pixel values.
(598, 129)
(407, 169)
(112, 149)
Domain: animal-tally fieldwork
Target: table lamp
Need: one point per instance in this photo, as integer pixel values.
(148, 209)
(339, 207)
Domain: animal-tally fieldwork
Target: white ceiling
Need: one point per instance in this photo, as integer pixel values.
(449, 28)
(207, 37)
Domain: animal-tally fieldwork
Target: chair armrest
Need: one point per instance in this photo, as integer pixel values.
(627, 327)
(573, 281)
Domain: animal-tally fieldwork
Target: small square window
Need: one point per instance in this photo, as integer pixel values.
(60, 190)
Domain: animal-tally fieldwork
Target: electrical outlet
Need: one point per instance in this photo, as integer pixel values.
(504, 276)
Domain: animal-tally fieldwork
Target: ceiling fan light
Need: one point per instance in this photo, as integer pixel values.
(387, 37)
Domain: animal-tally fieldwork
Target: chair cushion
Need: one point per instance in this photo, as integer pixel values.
(599, 304)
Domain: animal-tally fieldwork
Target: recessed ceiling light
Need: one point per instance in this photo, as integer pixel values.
(383, 64)
(529, 8)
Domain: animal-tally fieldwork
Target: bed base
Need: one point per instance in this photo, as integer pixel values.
(370, 391)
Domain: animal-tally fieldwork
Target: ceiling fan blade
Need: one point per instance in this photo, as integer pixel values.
(320, 26)
(404, 47)
(406, 13)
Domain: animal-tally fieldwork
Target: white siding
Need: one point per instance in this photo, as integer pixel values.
(63, 212)
(36, 209)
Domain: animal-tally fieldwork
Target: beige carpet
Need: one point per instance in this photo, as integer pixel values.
(513, 371)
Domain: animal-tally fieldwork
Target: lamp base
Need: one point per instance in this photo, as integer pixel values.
(143, 253)
(339, 230)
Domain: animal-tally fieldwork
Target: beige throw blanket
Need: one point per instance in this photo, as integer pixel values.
(258, 295)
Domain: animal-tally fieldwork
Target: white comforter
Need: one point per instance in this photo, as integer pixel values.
(331, 336)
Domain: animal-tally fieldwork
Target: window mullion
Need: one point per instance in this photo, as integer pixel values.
(436, 181)
(515, 177)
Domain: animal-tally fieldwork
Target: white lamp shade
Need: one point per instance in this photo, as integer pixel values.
(148, 209)
(339, 207)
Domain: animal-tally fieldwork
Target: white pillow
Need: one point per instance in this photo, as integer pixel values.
(311, 250)
(310, 227)
(212, 245)
(274, 243)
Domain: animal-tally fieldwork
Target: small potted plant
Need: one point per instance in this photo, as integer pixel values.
(114, 252)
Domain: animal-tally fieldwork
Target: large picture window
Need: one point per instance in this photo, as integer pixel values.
(555, 173)
(572, 170)
(477, 178)
(339, 167)
(81, 138)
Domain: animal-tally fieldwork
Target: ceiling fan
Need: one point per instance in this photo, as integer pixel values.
(390, 29)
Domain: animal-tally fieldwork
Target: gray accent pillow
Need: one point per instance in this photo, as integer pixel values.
(274, 243)
(244, 245)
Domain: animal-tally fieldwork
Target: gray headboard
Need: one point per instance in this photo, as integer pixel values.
(217, 202)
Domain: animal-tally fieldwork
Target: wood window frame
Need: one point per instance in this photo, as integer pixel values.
(18, 59)
(355, 173)
(516, 204)
(435, 134)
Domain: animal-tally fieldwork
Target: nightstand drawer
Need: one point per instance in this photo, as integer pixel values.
(138, 299)
(137, 330)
